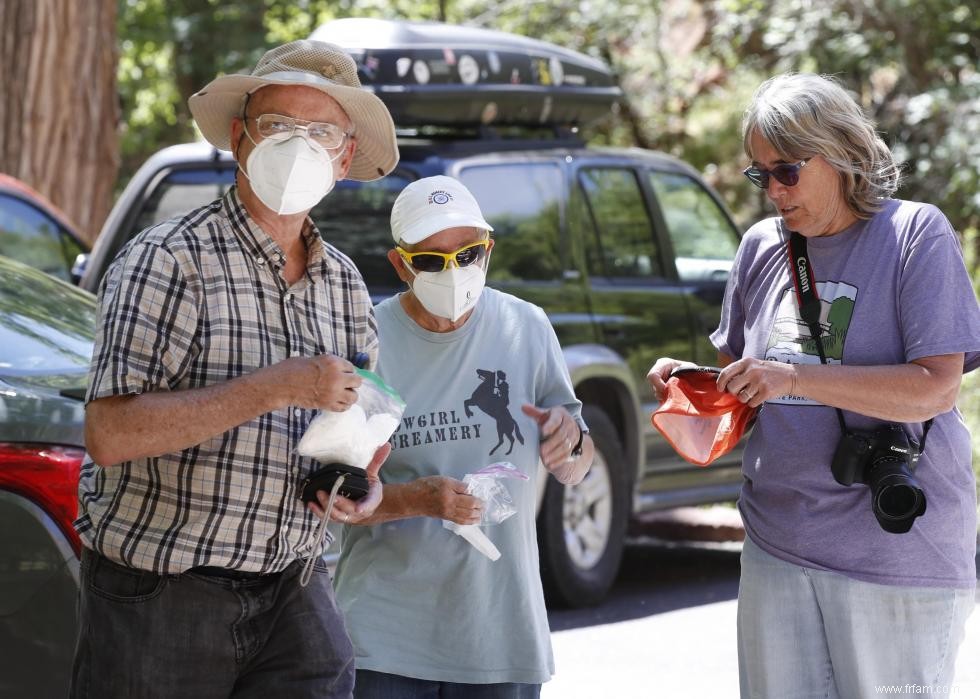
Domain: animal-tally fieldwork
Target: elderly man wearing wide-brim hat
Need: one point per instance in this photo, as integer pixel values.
(221, 333)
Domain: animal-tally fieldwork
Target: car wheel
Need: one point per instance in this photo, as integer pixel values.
(581, 527)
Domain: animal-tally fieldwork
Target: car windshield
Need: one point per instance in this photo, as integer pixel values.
(46, 326)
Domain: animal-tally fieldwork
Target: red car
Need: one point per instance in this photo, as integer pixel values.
(46, 335)
(36, 232)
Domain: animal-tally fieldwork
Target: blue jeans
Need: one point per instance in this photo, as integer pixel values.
(381, 685)
(146, 635)
(806, 633)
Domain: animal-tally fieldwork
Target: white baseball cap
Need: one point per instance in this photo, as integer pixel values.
(433, 204)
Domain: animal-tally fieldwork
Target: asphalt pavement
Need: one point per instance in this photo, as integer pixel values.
(668, 628)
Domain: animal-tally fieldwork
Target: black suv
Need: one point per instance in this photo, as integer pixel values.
(626, 250)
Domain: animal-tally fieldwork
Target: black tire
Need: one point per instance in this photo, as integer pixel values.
(578, 572)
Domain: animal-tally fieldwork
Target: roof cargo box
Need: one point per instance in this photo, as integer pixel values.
(429, 73)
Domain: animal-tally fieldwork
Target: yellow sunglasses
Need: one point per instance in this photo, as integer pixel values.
(431, 261)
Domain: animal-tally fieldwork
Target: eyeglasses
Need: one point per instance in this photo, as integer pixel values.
(438, 261)
(787, 174)
(279, 128)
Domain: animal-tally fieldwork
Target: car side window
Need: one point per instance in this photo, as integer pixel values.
(703, 237)
(182, 191)
(356, 218)
(623, 244)
(30, 236)
(523, 204)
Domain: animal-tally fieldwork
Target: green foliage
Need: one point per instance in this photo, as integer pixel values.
(168, 50)
(688, 68)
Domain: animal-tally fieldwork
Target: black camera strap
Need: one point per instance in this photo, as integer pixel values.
(806, 296)
(805, 284)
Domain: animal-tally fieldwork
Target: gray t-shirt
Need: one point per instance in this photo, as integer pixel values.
(419, 600)
(893, 289)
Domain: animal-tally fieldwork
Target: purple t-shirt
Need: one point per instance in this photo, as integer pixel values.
(893, 289)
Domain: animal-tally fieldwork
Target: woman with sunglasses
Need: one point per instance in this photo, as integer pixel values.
(484, 381)
(840, 596)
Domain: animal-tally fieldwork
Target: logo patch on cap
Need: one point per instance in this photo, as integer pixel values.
(440, 197)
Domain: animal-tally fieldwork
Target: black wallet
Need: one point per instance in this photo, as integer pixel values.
(354, 487)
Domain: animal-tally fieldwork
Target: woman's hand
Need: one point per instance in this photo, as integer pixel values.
(660, 372)
(754, 381)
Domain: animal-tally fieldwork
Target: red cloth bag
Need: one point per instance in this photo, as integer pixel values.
(700, 422)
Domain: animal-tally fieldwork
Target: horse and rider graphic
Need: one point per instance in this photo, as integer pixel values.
(492, 397)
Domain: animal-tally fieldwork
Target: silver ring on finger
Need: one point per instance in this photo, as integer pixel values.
(347, 518)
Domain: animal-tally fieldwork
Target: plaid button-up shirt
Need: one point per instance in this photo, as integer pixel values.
(193, 302)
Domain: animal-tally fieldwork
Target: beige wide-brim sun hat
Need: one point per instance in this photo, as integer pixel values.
(315, 64)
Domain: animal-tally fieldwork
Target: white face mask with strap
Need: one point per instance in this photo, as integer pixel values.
(450, 293)
(290, 176)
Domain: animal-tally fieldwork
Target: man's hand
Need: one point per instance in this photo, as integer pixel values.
(326, 382)
(348, 511)
(559, 434)
(446, 498)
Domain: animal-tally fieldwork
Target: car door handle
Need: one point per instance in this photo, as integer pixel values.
(614, 332)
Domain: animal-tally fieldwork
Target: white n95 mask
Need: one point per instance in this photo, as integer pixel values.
(451, 292)
(290, 176)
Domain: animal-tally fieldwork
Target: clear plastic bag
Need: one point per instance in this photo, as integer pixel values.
(487, 485)
(498, 505)
(352, 436)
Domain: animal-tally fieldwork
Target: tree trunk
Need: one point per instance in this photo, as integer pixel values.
(59, 109)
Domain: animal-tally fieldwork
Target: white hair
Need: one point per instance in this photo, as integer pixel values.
(801, 115)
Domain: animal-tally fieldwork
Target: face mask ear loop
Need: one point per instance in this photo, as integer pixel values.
(321, 534)
(486, 260)
(411, 270)
(241, 166)
(238, 147)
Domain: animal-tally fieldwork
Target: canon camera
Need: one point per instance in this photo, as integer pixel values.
(883, 459)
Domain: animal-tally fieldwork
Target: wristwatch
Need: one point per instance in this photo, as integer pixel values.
(577, 449)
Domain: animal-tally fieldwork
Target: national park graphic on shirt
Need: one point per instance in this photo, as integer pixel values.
(790, 339)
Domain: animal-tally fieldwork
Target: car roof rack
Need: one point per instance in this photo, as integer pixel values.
(547, 133)
(436, 74)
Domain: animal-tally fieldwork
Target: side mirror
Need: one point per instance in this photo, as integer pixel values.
(78, 268)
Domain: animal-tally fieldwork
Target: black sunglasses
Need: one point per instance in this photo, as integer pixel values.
(787, 174)
(431, 261)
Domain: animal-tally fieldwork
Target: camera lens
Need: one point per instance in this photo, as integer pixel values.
(896, 497)
(898, 501)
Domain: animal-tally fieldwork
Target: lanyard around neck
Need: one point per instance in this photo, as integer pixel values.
(805, 284)
(806, 288)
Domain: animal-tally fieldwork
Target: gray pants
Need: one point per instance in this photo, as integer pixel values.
(813, 634)
(189, 635)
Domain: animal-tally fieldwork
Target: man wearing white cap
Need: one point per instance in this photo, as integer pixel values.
(484, 381)
(220, 334)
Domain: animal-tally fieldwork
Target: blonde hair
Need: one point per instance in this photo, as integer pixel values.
(801, 115)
